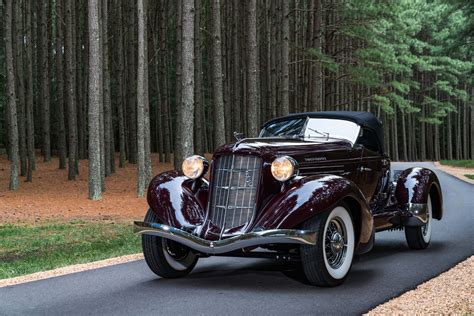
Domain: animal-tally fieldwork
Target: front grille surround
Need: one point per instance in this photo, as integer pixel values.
(234, 188)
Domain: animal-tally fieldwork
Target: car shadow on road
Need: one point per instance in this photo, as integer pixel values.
(268, 274)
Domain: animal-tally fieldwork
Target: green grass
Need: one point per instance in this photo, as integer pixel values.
(470, 176)
(27, 249)
(458, 163)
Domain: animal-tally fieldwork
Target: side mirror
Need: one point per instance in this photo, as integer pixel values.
(238, 136)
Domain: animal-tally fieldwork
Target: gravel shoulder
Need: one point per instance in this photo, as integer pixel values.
(456, 172)
(69, 269)
(452, 292)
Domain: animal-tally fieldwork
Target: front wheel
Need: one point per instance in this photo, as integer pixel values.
(328, 262)
(419, 237)
(165, 257)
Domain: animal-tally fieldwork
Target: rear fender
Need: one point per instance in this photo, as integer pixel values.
(310, 196)
(414, 185)
(177, 200)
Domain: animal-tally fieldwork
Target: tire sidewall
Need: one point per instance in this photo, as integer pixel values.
(342, 213)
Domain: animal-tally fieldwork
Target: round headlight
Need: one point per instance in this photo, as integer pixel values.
(194, 167)
(284, 168)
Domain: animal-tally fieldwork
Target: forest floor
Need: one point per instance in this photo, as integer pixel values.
(50, 196)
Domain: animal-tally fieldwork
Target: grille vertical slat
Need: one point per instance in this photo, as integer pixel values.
(234, 189)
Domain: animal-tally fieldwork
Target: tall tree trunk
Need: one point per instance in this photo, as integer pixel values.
(317, 88)
(70, 91)
(108, 132)
(20, 85)
(285, 93)
(217, 96)
(472, 122)
(60, 85)
(198, 93)
(45, 82)
(166, 116)
(121, 84)
(30, 124)
(252, 71)
(143, 131)
(11, 97)
(95, 69)
(184, 134)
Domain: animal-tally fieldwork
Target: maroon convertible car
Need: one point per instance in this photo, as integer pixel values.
(313, 187)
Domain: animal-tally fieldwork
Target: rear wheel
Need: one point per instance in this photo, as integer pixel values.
(165, 257)
(328, 262)
(419, 237)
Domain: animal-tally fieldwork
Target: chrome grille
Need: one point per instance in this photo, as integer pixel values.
(234, 188)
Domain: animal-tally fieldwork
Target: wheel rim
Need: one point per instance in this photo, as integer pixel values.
(426, 229)
(178, 256)
(338, 243)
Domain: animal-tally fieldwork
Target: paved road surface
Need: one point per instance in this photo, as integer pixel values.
(232, 286)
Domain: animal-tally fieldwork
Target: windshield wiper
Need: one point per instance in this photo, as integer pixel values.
(325, 134)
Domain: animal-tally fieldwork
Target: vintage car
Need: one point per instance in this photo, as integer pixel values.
(313, 187)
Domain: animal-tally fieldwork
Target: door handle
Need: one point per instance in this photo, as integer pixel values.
(363, 169)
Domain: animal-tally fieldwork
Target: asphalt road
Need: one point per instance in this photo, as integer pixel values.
(234, 286)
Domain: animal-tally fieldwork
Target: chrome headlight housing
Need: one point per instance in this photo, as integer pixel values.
(194, 166)
(284, 168)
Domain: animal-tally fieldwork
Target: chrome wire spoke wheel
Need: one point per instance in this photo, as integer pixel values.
(338, 243)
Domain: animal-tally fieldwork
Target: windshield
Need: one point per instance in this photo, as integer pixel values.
(292, 127)
(310, 128)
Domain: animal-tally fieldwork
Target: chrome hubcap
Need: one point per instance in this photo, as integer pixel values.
(336, 243)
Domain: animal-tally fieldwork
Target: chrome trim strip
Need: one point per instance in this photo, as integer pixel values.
(272, 236)
(417, 210)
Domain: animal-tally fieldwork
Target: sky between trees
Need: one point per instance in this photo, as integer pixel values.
(88, 79)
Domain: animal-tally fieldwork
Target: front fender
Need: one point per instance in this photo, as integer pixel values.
(414, 185)
(307, 197)
(178, 201)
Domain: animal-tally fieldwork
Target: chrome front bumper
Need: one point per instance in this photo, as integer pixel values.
(273, 236)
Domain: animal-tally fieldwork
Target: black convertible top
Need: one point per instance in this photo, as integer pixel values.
(364, 119)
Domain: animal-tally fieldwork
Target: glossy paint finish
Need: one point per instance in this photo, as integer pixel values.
(330, 171)
(177, 200)
(415, 184)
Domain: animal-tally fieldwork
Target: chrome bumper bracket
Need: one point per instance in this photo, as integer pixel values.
(272, 236)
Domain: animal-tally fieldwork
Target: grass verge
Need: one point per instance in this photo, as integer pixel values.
(458, 163)
(27, 249)
(470, 176)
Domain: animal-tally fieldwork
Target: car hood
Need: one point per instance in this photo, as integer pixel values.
(271, 147)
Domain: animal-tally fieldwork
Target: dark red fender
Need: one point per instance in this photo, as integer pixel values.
(415, 184)
(177, 200)
(309, 196)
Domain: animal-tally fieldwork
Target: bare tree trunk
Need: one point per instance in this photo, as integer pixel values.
(285, 93)
(30, 123)
(121, 84)
(317, 88)
(184, 134)
(237, 69)
(252, 74)
(217, 96)
(60, 86)
(11, 97)
(45, 83)
(20, 84)
(70, 91)
(108, 151)
(95, 69)
(165, 87)
(144, 172)
(198, 93)
(472, 122)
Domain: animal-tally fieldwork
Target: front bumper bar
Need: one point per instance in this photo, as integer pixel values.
(273, 236)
